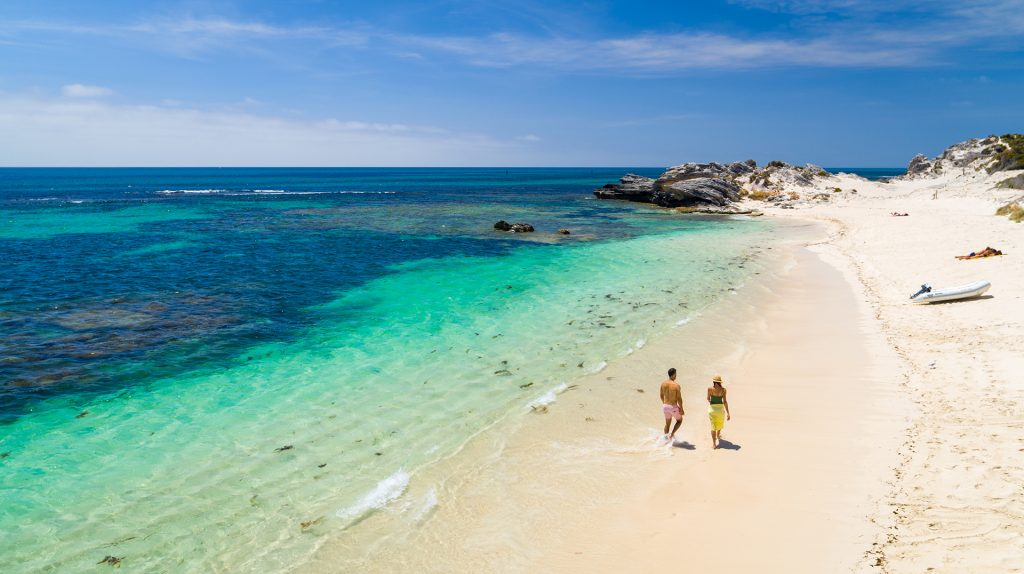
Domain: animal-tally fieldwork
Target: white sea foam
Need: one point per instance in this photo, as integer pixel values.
(683, 321)
(599, 367)
(640, 344)
(386, 491)
(199, 191)
(548, 398)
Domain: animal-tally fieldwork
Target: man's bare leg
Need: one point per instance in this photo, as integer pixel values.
(667, 423)
(674, 429)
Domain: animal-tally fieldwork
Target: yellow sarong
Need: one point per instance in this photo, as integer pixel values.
(717, 415)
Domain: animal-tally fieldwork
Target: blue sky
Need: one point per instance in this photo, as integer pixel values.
(832, 82)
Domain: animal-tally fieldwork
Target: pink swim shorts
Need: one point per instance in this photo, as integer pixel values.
(672, 412)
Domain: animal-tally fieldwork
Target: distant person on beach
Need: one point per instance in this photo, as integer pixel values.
(718, 409)
(986, 252)
(672, 403)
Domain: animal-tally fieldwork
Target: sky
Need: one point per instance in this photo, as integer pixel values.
(838, 83)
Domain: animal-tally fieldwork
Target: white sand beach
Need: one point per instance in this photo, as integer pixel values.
(956, 494)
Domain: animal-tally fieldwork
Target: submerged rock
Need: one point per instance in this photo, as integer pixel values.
(513, 227)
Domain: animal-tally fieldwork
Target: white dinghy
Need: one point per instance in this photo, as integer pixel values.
(929, 295)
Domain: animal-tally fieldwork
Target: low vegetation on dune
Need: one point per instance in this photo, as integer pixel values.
(1011, 156)
(762, 195)
(1013, 210)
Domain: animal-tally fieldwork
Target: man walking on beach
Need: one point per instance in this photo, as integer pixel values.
(672, 403)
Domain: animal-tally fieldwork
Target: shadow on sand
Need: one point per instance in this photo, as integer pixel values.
(684, 445)
(727, 445)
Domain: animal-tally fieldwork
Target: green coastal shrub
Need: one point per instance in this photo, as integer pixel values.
(1013, 210)
(1012, 157)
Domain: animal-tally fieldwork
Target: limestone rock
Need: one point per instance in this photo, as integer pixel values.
(631, 187)
(711, 184)
(920, 164)
(696, 191)
(691, 170)
(991, 154)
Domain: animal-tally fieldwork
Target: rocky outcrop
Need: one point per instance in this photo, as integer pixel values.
(920, 164)
(711, 185)
(706, 170)
(696, 191)
(631, 187)
(513, 227)
(991, 154)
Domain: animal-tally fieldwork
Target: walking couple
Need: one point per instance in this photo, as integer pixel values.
(672, 406)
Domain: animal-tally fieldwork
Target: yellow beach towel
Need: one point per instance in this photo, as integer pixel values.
(717, 415)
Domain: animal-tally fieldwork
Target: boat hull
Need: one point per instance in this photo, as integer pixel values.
(975, 289)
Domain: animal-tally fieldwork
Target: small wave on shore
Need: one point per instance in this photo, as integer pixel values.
(386, 491)
(542, 402)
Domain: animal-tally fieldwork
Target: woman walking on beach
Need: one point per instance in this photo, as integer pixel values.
(718, 409)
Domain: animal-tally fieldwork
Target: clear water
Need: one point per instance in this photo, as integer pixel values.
(199, 374)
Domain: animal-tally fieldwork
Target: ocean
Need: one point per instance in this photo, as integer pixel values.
(214, 369)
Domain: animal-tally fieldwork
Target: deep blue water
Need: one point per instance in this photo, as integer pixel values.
(122, 276)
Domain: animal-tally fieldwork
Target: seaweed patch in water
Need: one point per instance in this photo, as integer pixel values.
(114, 561)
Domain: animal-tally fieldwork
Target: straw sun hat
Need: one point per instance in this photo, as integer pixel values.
(717, 379)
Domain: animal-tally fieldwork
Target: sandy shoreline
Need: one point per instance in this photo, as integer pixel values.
(587, 486)
(869, 435)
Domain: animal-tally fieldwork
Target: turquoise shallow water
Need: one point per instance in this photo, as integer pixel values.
(279, 371)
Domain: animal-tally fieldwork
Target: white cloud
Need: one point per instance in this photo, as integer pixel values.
(863, 34)
(87, 132)
(670, 52)
(529, 138)
(85, 91)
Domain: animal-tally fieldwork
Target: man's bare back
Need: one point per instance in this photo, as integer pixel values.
(671, 394)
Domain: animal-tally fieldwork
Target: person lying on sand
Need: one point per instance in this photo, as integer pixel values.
(718, 409)
(986, 252)
(672, 403)
(898, 214)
